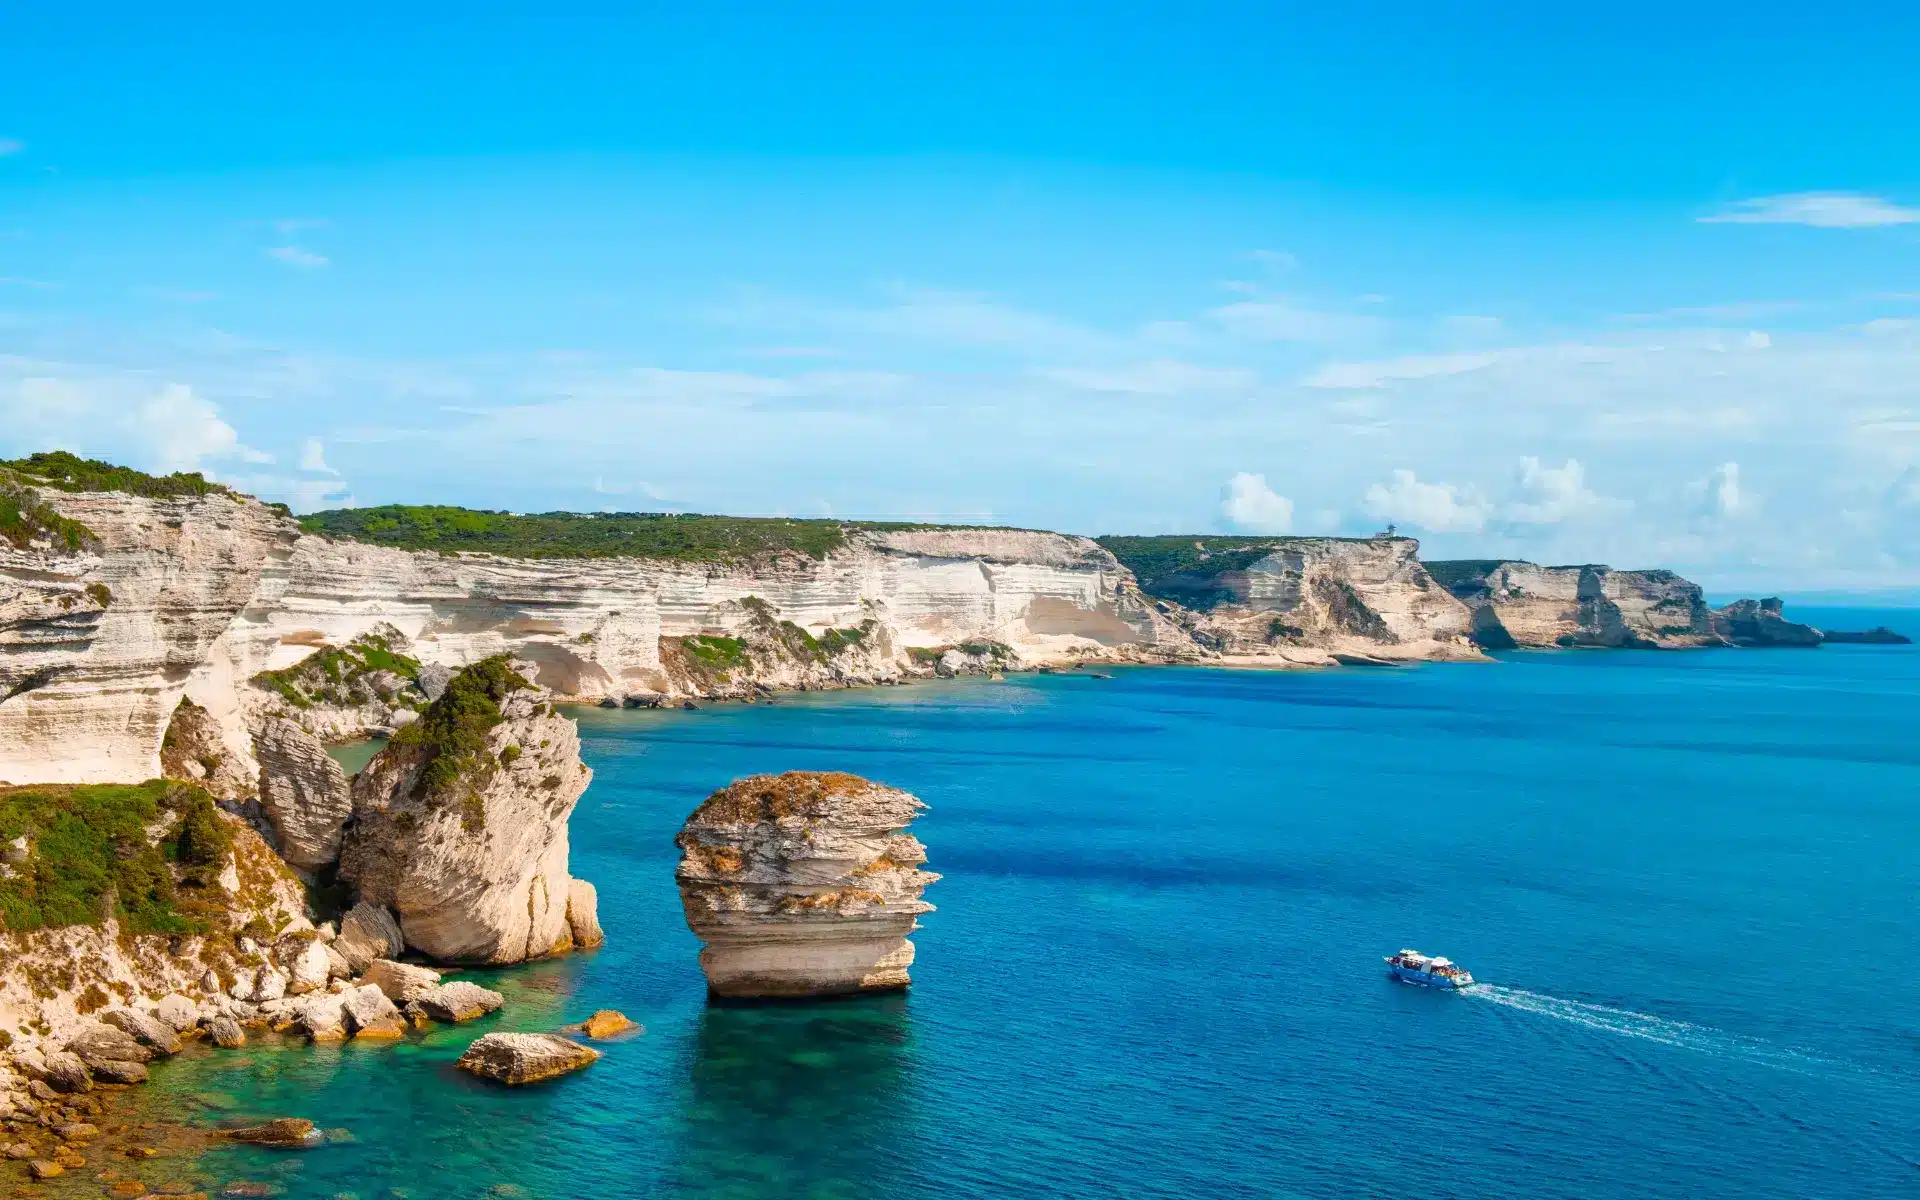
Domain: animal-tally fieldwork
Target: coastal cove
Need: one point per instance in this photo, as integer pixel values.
(1154, 965)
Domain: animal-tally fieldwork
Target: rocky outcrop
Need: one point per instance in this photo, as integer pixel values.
(194, 750)
(1762, 624)
(1522, 604)
(460, 824)
(303, 792)
(1301, 600)
(803, 884)
(583, 915)
(1879, 635)
(522, 1058)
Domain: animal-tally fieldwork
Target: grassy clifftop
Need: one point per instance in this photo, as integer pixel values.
(71, 473)
(685, 537)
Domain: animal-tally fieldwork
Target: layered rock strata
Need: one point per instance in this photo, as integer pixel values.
(460, 825)
(302, 791)
(803, 884)
(1522, 604)
(1302, 600)
(98, 640)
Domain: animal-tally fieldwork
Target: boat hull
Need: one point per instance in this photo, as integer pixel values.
(1424, 979)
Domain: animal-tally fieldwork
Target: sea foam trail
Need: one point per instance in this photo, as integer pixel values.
(1704, 1039)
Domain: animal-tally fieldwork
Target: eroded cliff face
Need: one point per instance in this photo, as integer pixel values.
(803, 884)
(1305, 600)
(884, 606)
(460, 825)
(97, 644)
(1524, 604)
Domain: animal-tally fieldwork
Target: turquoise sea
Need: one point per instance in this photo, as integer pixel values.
(1690, 881)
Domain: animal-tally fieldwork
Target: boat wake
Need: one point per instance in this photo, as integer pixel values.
(1703, 1039)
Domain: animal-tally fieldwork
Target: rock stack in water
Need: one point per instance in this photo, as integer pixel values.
(803, 884)
(460, 825)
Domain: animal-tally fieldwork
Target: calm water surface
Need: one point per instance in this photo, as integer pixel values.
(1690, 880)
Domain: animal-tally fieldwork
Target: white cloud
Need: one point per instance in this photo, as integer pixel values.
(1546, 495)
(313, 457)
(1379, 374)
(1250, 505)
(1157, 377)
(184, 429)
(1823, 210)
(1757, 340)
(1720, 494)
(1280, 321)
(1434, 507)
(297, 256)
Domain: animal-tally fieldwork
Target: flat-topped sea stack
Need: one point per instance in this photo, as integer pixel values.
(803, 884)
(1523, 604)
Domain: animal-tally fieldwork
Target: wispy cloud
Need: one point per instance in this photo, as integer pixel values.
(1823, 210)
(1156, 377)
(1357, 375)
(22, 281)
(293, 225)
(297, 256)
(11, 146)
(1283, 321)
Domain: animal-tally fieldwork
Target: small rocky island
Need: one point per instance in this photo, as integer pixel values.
(803, 884)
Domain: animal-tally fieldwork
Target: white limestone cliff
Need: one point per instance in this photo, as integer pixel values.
(1528, 605)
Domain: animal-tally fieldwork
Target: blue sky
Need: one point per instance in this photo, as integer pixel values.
(1625, 285)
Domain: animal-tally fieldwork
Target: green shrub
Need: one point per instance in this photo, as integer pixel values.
(714, 652)
(926, 656)
(90, 850)
(71, 473)
(336, 674)
(687, 537)
(25, 519)
(453, 734)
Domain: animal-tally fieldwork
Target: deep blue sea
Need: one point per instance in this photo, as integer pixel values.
(1690, 881)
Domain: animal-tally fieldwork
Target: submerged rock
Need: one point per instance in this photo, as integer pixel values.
(460, 824)
(517, 1058)
(803, 884)
(295, 1133)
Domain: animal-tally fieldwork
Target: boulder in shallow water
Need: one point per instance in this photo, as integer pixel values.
(803, 884)
(370, 1014)
(293, 1133)
(457, 1001)
(605, 1023)
(518, 1058)
(308, 971)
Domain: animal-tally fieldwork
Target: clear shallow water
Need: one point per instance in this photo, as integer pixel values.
(1155, 966)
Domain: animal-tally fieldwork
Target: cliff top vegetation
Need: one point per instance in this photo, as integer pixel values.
(685, 537)
(452, 733)
(71, 473)
(339, 674)
(89, 856)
